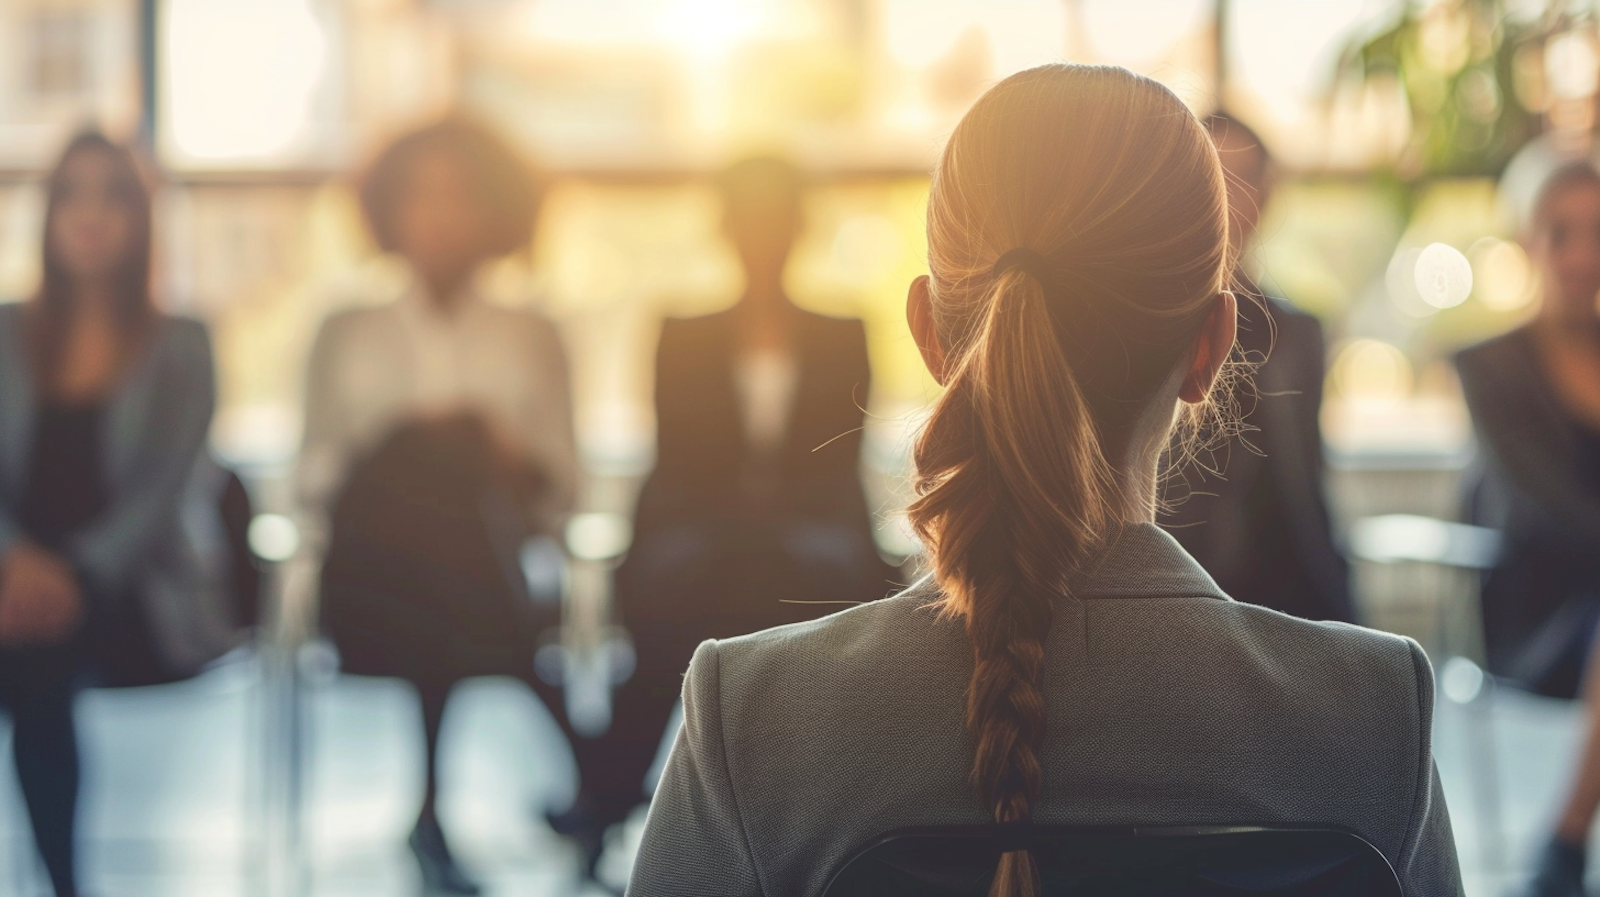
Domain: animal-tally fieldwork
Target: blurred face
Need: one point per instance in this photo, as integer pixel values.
(1565, 246)
(762, 232)
(438, 226)
(91, 226)
(1246, 167)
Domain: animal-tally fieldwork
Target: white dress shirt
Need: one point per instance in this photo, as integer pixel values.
(766, 380)
(373, 368)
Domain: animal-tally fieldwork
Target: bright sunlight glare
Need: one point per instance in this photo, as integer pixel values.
(242, 76)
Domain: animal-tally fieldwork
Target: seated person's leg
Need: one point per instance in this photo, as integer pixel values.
(1561, 866)
(45, 744)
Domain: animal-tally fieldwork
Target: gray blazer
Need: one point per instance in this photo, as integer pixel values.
(1168, 703)
(152, 541)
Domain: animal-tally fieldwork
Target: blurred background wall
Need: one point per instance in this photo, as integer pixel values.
(1390, 120)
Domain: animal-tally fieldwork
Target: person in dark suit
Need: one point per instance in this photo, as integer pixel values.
(754, 514)
(1534, 394)
(1252, 510)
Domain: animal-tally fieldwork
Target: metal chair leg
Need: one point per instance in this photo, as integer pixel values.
(1466, 685)
(1484, 749)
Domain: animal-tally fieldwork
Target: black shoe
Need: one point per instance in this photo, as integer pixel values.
(1559, 872)
(440, 872)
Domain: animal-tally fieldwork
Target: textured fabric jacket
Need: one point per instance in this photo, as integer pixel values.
(1168, 703)
(158, 539)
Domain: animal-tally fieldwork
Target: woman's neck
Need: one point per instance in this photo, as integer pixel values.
(92, 297)
(764, 296)
(444, 290)
(444, 297)
(1140, 472)
(1138, 482)
(89, 351)
(1567, 331)
(1140, 490)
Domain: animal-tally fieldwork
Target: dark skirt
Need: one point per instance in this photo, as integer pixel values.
(1541, 612)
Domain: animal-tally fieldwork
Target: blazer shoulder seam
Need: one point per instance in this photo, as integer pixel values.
(727, 769)
(1420, 748)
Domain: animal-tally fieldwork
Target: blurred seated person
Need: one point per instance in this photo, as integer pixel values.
(105, 403)
(755, 513)
(1066, 662)
(1534, 394)
(416, 407)
(1259, 522)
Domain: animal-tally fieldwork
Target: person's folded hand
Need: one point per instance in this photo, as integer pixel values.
(40, 599)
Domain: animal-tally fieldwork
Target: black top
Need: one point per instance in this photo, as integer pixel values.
(1538, 481)
(1588, 440)
(1539, 461)
(65, 488)
(732, 530)
(705, 467)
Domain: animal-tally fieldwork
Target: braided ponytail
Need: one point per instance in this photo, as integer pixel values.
(1052, 363)
(1004, 521)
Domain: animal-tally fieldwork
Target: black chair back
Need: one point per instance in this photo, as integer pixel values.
(121, 645)
(1077, 861)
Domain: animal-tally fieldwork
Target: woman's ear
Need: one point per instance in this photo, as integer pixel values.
(1211, 348)
(919, 315)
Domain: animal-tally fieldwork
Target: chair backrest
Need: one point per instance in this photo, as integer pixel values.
(1077, 861)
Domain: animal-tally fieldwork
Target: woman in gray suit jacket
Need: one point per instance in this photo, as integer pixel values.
(1066, 661)
(104, 408)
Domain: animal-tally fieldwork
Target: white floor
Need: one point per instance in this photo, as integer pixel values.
(173, 807)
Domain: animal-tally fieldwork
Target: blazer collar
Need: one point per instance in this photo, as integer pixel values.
(127, 406)
(1143, 560)
(1140, 561)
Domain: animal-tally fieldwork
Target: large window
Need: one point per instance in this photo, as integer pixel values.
(263, 104)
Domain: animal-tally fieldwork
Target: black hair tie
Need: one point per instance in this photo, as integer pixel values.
(1026, 260)
(1034, 265)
